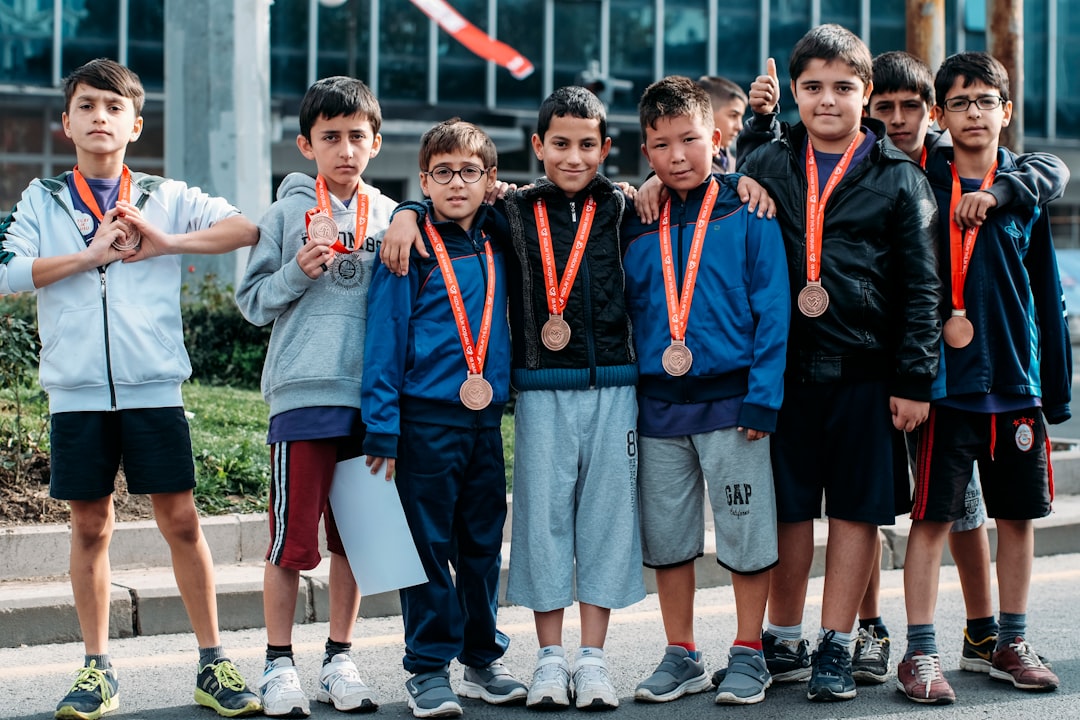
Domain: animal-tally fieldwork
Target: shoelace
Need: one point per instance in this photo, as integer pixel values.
(869, 646)
(834, 658)
(551, 672)
(91, 679)
(588, 675)
(1026, 654)
(927, 670)
(228, 676)
(288, 681)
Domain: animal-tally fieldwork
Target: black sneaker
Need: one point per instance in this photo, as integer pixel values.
(786, 663)
(220, 686)
(870, 660)
(831, 678)
(93, 694)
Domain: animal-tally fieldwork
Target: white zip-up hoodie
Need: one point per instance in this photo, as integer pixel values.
(112, 338)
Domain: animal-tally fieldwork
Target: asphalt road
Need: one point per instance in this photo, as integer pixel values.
(157, 673)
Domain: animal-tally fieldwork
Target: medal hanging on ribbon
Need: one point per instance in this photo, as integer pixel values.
(556, 332)
(475, 392)
(958, 331)
(813, 299)
(320, 220)
(677, 358)
(134, 237)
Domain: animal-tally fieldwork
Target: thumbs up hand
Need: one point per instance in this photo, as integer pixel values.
(765, 90)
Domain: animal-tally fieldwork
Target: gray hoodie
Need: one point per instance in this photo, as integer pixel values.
(316, 352)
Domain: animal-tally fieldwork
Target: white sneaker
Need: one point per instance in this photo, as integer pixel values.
(593, 689)
(550, 687)
(280, 690)
(341, 686)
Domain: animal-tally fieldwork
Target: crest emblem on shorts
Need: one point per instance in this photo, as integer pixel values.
(1025, 436)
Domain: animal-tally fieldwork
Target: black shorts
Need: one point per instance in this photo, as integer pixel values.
(154, 445)
(838, 439)
(1012, 450)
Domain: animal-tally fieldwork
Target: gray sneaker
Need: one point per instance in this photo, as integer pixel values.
(677, 674)
(746, 678)
(493, 684)
(430, 695)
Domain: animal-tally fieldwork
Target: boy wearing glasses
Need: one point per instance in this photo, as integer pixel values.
(1006, 371)
(436, 379)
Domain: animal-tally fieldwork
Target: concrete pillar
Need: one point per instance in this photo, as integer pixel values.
(217, 108)
(1005, 41)
(926, 31)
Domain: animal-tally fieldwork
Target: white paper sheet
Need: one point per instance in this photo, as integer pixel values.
(373, 529)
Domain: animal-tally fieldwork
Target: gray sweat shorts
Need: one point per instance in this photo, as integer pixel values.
(671, 487)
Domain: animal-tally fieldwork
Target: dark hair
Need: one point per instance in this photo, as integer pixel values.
(337, 96)
(828, 43)
(105, 74)
(898, 71)
(574, 101)
(973, 67)
(456, 135)
(674, 96)
(721, 90)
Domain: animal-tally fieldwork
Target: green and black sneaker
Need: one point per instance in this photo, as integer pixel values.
(93, 694)
(221, 687)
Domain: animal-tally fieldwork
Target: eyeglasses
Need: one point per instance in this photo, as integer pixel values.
(469, 174)
(961, 104)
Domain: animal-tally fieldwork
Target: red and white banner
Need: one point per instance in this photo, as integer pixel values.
(474, 38)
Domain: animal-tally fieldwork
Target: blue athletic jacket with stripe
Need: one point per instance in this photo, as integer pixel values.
(740, 314)
(414, 363)
(1014, 300)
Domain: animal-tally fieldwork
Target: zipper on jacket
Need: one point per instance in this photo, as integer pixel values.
(586, 301)
(105, 329)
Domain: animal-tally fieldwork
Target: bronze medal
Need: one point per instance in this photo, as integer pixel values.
(131, 242)
(322, 229)
(958, 331)
(475, 392)
(677, 359)
(813, 299)
(556, 333)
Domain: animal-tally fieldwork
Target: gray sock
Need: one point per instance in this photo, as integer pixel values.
(209, 656)
(921, 638)
(101, 662)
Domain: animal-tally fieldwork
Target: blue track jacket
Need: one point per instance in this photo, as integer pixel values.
(1013, 298)
(740, 314)
(414, 364)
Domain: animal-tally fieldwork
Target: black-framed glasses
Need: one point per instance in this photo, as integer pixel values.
(469, 174)
(961, 104)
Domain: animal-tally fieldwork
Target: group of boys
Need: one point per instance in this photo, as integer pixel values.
(628, 405)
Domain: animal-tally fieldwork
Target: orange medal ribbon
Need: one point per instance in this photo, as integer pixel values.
(679, 307)
(558, 292)
(475, 353)
(815, 206)
(962, 242)
(324, 207)
(87, 195)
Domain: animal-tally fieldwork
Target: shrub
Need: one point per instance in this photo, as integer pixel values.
(225, 348)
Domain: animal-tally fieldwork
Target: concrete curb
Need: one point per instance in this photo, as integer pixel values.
(144, 601)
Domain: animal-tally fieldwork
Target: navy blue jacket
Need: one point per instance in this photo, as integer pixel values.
(1013, 298)
(739, 316)
(414, 364)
